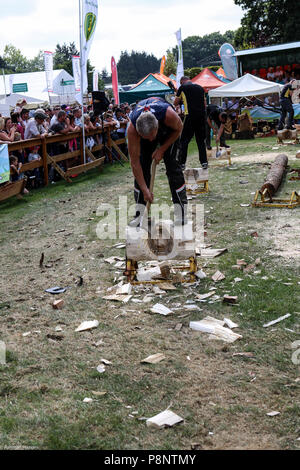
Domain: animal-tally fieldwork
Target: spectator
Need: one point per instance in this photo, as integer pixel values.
(19, 106)
(60, 126)
(15, 168)
(56, 110)
(7, 134)
(78, 117)
(34, 127)
(35, 173)
(16, 119)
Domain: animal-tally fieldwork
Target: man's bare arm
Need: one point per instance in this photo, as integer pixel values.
(134, 148)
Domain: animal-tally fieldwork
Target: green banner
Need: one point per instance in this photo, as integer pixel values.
(20, 87)
(67, 82)
(4, 164)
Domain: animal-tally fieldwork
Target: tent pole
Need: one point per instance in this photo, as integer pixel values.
(4, 83)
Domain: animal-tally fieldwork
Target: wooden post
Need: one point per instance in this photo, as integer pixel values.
(81, 149)
(45, 161)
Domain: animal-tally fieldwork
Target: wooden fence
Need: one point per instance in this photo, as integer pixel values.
(11, 189)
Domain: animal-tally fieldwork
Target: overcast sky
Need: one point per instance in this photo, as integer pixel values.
(139, 25)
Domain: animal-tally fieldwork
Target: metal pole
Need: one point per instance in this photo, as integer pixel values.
(81, 80)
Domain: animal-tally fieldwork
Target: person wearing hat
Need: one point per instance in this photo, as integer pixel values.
(19, 105)
(34, 127)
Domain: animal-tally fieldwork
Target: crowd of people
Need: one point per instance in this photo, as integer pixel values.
(24, 124)
(279, 74)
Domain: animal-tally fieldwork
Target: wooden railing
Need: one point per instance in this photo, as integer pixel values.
(47, 159)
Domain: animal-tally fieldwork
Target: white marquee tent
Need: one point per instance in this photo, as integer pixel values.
(248, 85)
(63, 91)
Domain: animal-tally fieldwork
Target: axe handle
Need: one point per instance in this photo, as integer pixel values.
(153, 171)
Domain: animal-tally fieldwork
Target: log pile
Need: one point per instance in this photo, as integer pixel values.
(275, 175)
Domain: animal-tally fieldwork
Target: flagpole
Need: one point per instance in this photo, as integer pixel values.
(81, 80)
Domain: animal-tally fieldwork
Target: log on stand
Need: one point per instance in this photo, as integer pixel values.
(275, 175)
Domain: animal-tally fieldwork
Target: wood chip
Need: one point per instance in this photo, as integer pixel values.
(215, 328)
(230, 323)
(205, 296)
(164, 419)
(125, 289)
(161, 309)
(244, 354)
(273, 322)
(167, 286)
(87, 325)
(273, 413)
(213, 253)
(58, 304)
(118, 298)
(178, 327)
(218, 276)
(99, 394)
(154, 359)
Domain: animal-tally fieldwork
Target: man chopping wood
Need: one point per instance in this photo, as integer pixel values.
(153, 133)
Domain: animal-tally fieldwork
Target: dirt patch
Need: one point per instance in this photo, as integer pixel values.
(261, 157)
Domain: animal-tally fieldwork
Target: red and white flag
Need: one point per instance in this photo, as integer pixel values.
(115, 84)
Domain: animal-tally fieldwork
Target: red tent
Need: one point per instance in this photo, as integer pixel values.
(221, 72)
(207, 80)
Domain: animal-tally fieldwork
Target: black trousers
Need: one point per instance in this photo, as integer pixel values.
(286, 108)
(193, 126)
(208, 141)
(173, 169)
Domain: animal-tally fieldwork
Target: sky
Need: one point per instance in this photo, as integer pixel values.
(140, 25)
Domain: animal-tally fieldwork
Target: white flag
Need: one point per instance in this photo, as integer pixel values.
(48, 61)
(95, 81)
(76, 76)
(180, 69)
(89, 22)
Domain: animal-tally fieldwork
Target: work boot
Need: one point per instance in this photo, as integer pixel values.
(226, 146)
(204, 166)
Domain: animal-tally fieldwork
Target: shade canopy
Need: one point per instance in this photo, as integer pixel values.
(248, 85)
(154, 84)
(208, 80)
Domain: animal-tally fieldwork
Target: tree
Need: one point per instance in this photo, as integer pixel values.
(134, 66)
(268, 22)
(203, 50)
(63, 57)
(14, 60)
(171, 64)
(37, 63)
(105, 76)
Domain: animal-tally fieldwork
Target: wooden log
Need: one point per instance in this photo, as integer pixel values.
(275, 175)
(165, 242)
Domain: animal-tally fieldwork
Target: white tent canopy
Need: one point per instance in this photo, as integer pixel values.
(248, 85)
(37, 86)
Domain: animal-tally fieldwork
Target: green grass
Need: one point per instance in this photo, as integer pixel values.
(44, 382)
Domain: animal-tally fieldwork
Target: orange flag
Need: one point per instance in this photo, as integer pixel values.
(162, 65)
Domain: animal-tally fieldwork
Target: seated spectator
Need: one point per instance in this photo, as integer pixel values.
(34, 127)
(72, 128)
(271, 74)
(123, 121)
(90, 142)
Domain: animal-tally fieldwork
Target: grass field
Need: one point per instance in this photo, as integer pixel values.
(224, 399)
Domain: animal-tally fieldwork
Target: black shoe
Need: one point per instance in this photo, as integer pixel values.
(182, 167)
(226, 146)
(208, 148)
(291, 128)
(280, 128)
(204, 166)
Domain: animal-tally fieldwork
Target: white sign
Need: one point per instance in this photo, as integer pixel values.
(89, 22)
(76, 75)
(95, 81)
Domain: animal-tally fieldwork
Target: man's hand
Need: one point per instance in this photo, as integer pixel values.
(158, 155)
(148, 196)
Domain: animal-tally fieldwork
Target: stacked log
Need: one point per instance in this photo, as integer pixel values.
(275, 175)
